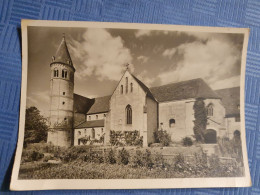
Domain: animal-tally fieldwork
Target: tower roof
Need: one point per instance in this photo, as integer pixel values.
(62, 54)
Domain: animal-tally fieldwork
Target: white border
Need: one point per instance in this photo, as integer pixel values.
(46, 184)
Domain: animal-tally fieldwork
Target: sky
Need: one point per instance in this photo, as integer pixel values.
(156, 57)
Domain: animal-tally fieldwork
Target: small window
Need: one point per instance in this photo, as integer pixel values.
(121, 89)
(93, 133)
(238, 106)
(65, 119)
(131, 85)
(63, 103)
(96, 117)
(126, 85)
(79, 132)
(102, 130)
(210, 110)
(63, 93)
(105, 115)
(171, 122)
(89, 118)
(85, 131)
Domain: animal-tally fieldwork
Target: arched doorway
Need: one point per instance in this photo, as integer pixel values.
(210, 136)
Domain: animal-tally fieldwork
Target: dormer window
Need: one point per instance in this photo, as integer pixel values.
(64, 74)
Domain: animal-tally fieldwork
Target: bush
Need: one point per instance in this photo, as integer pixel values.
(162, 137)
(123, 157)
(110, 157)
(187, 141)
(31, 155)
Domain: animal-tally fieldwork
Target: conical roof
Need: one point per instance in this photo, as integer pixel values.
(62, 54)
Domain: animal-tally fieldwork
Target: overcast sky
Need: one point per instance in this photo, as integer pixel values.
(155, 57)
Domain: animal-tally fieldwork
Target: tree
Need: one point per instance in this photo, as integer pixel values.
(200, 122)
(35, 126)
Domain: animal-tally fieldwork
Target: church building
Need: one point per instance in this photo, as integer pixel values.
(78, 120)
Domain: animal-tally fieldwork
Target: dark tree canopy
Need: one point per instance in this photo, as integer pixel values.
(35, 126)
(200, 122)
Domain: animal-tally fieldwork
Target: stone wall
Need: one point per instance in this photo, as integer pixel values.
(87, 133)
(232, 124)
(97, 116)
(152, 119)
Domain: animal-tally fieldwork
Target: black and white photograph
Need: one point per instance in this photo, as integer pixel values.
(116, 105)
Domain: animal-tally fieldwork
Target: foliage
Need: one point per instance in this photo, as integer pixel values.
(126, 138)
(110, 157)
(200, 122)
(123, 157)
(31, 155)
(35, 126)
(187, 141)
(162, 137)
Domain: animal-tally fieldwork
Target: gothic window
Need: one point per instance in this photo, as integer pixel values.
(210, 110)
(64, 74)
(171, 122)
(128, 110)
(122, 89)
(93, 133)
(56, 73)
(131, 85)
(126, 85)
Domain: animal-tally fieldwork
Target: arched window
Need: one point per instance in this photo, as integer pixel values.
(56, 73)
(210, 110)
(128, 111)
(131, 85)
(64, 74)
(93, 133)
(126, 85)
(122, 89)
(171, 122)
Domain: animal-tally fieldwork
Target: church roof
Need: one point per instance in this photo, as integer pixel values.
(82, 104)
(91, 124)
(195, 88)
(231, 100)
(101, 104)
(62, 54)
(144, 87)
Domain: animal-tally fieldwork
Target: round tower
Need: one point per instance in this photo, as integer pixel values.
(61, 97)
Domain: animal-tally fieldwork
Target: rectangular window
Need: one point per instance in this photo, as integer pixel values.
(63, 93)
(96, 117)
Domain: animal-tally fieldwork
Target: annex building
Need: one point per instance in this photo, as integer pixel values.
(78, 120)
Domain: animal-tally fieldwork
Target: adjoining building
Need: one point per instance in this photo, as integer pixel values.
(78, 120)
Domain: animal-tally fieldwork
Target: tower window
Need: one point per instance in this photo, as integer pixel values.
(128, 110)
(171, 122)
(63, 103)
(126, 85)
(131, 85)
(65, 119)
(56, 73)
(122, 89)
(96, 117)
(63, 93)
(64, 74)
(210, 110)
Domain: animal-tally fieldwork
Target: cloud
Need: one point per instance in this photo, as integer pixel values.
(145, 77)
(226, 83)
(39, 100)
(101, 55)
(142, 59)
(169, 52)
(213, 60)
(141, 33)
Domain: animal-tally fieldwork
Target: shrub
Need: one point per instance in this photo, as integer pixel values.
(123, 157)
(147, 159)
(110, 157)
(162, 137)
(31, 155)
(179, 164)
(137, 159)
(187, 141)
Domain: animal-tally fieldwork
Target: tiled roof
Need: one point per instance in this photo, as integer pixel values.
(62, 54)
(82, 104)
(231, 100)
(91, 124)
(101, 104)
(195, 88)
